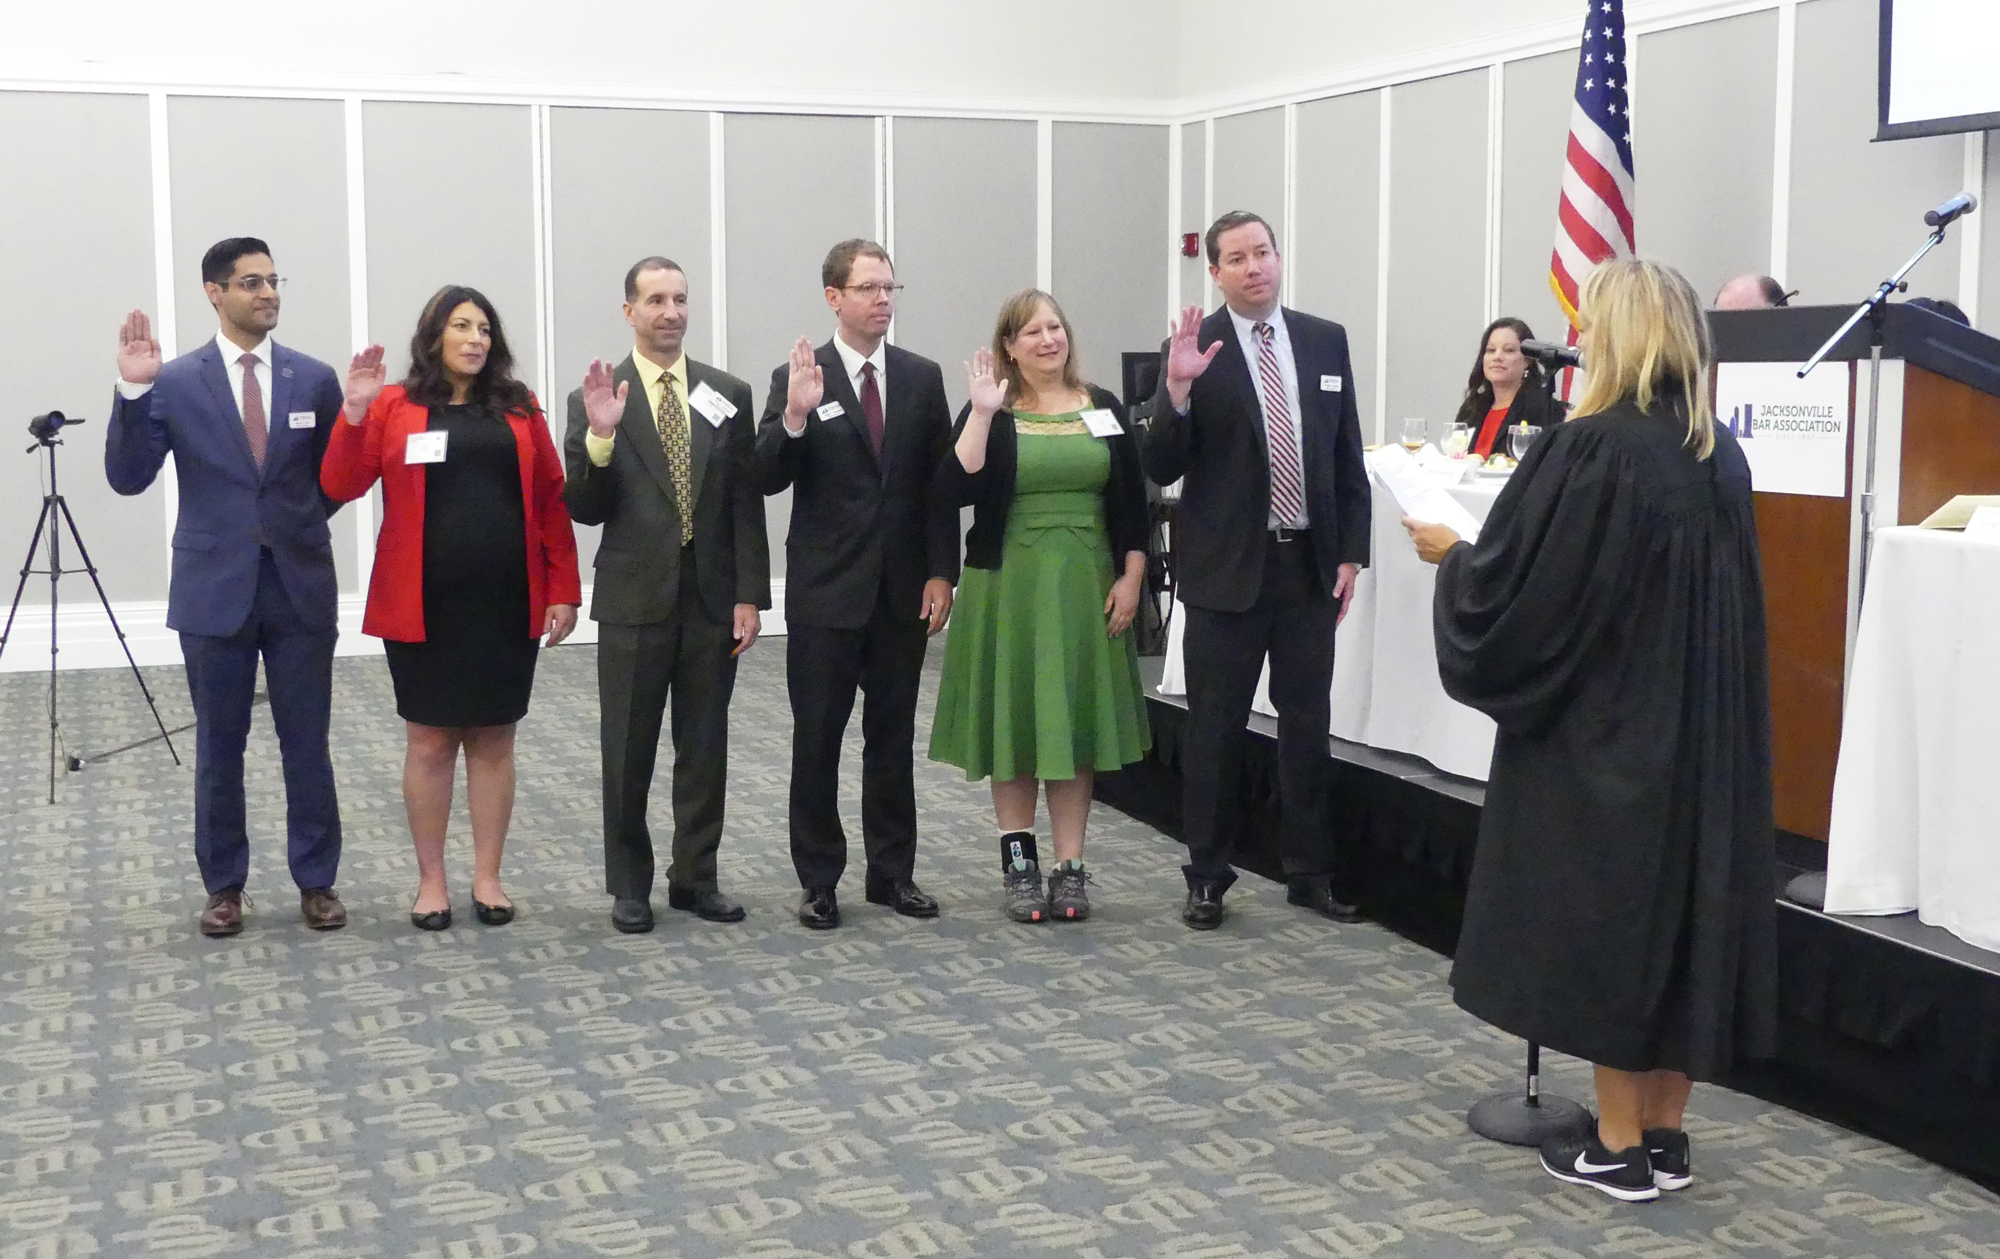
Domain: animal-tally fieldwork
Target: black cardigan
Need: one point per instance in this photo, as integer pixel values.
(990, 491)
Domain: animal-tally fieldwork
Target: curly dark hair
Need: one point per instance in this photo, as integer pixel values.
(494, 390)
(1478, 398)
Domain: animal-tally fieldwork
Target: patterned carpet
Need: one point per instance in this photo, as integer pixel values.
(892, 1090)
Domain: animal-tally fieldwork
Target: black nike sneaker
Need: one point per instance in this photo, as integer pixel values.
(1667, 1152)
(1581, 1159)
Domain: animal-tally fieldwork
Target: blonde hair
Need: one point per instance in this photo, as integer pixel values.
(1015, 314)
(1648, 337)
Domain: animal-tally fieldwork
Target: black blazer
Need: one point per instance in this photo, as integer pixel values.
(861, 525)
(990, 491)
(1217, 451)
(639, 558)
(1532, 405)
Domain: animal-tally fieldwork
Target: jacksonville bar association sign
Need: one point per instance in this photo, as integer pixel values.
(1794, 432)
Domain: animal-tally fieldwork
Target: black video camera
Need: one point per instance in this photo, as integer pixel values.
(43, 428)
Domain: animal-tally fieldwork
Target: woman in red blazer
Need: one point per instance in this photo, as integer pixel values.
(476, 561)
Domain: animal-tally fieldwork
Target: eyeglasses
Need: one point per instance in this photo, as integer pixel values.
(872, 291)
(256, 283)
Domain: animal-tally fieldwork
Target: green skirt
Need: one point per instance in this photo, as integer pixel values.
(1033, 685)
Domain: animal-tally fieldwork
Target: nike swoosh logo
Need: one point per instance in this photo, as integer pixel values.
(1588, 1168)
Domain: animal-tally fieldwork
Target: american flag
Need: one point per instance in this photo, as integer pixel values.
(1595, 215)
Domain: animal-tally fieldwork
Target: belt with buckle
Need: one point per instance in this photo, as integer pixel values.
(1284, 533)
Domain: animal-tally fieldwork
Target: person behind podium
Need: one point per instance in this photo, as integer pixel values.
(1506, 387)
(1610, 619)
(1750, 292)
(476, 562)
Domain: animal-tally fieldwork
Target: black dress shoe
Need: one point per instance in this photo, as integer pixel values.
(1203, 910)
(632, 915)
(492, 915)
(818, 909)
(709, 905)
(436, 920)
(1317, 895)
(903, 896)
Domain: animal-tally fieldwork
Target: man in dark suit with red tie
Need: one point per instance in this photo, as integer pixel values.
(1256, 416)
(247, 421)
(856, 429)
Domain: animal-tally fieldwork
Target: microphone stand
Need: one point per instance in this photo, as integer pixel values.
(1871, 310)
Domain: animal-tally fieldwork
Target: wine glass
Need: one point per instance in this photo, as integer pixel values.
(1520, 437)
(1458, 440)
(1415, 432)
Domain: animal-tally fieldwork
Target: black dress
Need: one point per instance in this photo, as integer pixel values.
(1611, 620)
(476, 664)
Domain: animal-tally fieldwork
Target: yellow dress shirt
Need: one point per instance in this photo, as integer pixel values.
(656, 380)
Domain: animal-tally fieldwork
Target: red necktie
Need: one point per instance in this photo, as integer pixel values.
(871, 406)
(255, 426)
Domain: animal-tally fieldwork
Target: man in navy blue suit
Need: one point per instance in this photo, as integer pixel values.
(246, 421)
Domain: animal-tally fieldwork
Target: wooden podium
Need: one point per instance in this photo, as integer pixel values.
(1936, 434)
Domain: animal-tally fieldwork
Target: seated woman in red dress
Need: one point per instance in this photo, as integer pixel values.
(1506, 387)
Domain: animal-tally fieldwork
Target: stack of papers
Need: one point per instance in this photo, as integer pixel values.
(1418, 493)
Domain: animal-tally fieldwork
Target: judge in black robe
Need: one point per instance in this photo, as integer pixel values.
(1610, 619)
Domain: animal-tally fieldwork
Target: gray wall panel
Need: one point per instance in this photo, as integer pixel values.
(79, 254)
(1437, 244)
(298, 206)
(1195, 287)
(1110, 216)
(1703, 152)
(965, 233)
(1534, 131)
(1335, 242)
(1857, 207)
(623, 183)
(1250, 166)
(796, 186)
(450, 195)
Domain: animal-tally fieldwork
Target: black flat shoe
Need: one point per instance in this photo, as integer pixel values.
(819, 909)
(1318, 896)
(436, 920)
(631, 915)
(903, 896)
(492, 915)
(1203, 910)
(709, 905)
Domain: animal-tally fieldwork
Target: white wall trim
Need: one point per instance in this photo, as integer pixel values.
(1045, 204)
(363, 508)
(1971, 236)
(718, 246)
(1290, 201)
(1207, 204)
(542, 185)
(1382, 172)
(1176, 177)
(1496, 103)
(166, 328)
(1781, 141)
(885, 196)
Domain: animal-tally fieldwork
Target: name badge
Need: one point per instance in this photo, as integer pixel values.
(711, 404)
(1329, 384)
(1101, 423)
(304, 419)
(831, 411)
(425, 448)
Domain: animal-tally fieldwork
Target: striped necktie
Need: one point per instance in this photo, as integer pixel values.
(1288, 494)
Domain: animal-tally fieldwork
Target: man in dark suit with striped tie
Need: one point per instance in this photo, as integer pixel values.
(1256, 416)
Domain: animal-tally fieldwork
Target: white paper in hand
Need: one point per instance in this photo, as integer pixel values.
(1419, 496)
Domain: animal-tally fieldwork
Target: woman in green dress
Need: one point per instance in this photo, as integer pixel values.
(1041, 681)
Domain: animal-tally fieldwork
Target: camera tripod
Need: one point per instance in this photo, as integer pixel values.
(55, 517)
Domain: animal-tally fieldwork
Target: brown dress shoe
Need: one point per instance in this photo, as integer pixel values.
(322, 908)
(224, 914)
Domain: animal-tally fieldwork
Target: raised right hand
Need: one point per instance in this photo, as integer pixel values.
(806, 386)
(138, 353)
(983, 385)
(1186, 360)
(365, 376)
(603, 405)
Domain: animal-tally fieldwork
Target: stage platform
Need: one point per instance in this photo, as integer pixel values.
(1886, 1026)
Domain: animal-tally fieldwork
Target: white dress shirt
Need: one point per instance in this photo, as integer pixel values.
(1288, 368)
(232, 369)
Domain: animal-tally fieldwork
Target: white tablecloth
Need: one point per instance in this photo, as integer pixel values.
(1386, 692)
(1915, 821)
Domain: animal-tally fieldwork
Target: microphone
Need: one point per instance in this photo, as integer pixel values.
(1962, 204)
(1552, 355)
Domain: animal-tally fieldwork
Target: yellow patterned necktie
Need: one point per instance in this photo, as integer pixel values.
(673, 426)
